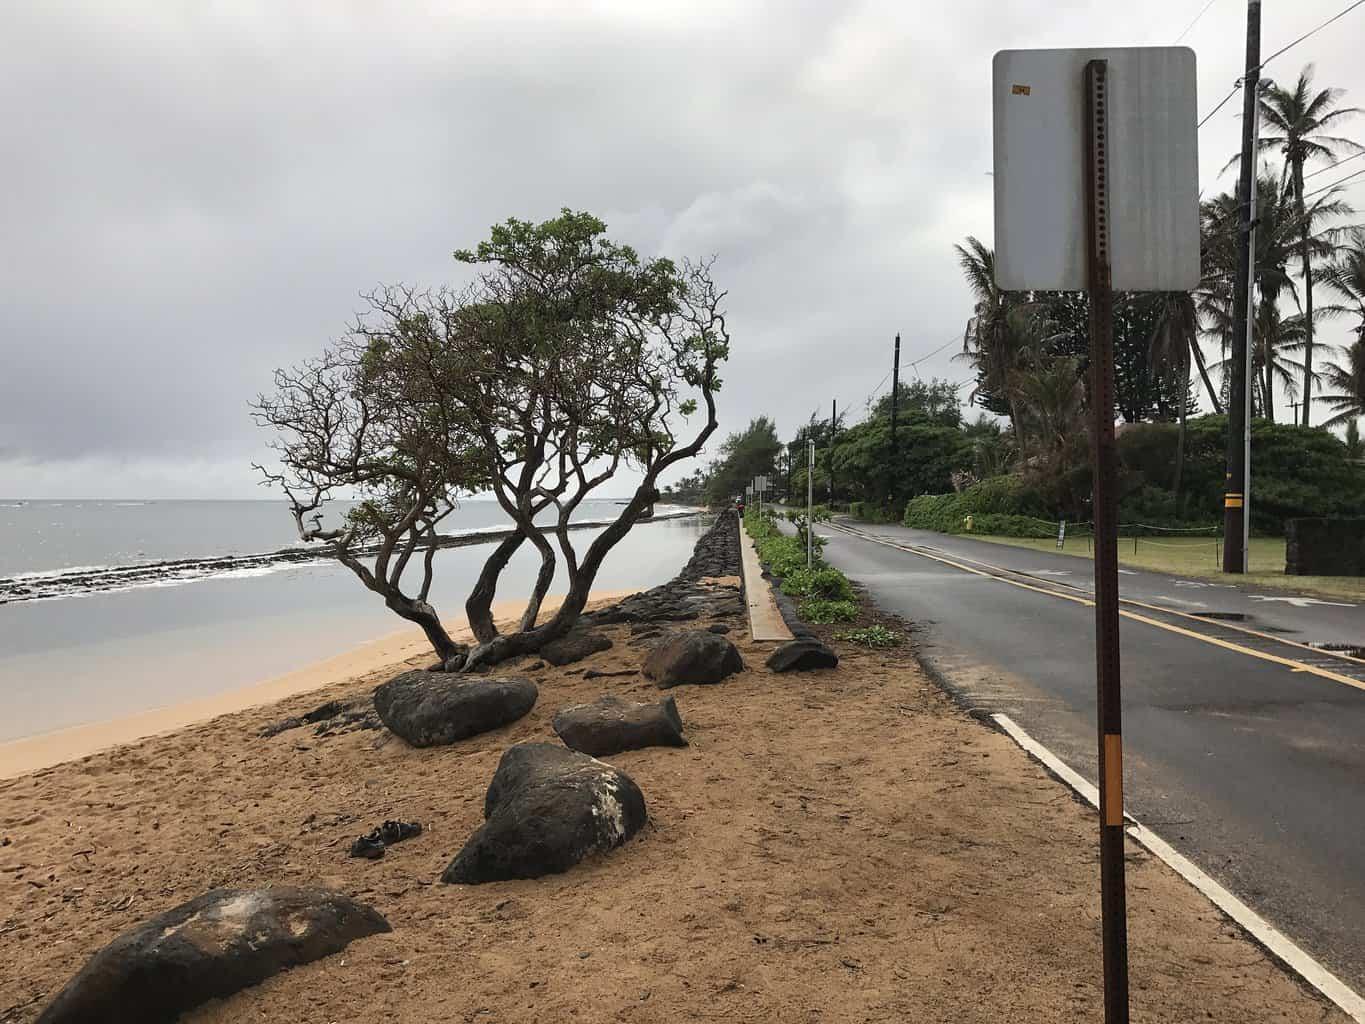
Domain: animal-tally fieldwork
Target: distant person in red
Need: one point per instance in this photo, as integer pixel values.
(739, 506)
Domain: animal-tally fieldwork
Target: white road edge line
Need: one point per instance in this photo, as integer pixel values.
(1312, 972)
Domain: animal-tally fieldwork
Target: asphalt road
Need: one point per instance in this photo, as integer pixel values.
(1244, 750)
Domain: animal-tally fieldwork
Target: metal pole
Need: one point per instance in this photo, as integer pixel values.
(833, 424)
(1104, 457)
(1253, 216)
(1239, 397)
(895, 398)
(810, 504)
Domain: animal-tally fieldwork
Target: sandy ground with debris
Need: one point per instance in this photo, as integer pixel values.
(841, 846)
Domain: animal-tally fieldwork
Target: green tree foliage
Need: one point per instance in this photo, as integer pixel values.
(1299, 122)
(568, 358)
(925, 456)
(1295, 471)
(751, 452)
(936, 401)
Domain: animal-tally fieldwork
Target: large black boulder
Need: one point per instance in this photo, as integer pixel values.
(694, 656)
(431, 709)
(610, 725)
(547, 808)
(574, 646)
(801, 655)
(208, 948)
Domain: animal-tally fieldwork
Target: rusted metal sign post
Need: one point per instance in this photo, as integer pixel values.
(1104, 463)
(1096, 154)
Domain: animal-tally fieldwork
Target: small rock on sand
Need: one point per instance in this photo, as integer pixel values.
(610, 725)
(694, 656)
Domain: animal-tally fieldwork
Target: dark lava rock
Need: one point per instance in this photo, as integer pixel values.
(610, 725)
(430, 709)
(208, 948)
(695, 656)
(547, 808)
(718, 627)
(802, 655)
(574, 646)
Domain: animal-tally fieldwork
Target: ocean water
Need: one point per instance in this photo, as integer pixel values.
(46, 536)
(94, 655)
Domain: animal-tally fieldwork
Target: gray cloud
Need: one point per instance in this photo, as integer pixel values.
(195, 195)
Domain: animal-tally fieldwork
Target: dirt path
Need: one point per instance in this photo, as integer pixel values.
(843, 846)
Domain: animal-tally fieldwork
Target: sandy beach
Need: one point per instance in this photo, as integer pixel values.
(842, 845)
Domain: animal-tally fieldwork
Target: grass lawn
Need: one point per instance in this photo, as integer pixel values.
(1201, 557)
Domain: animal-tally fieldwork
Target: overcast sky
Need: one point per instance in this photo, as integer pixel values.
(195, 193)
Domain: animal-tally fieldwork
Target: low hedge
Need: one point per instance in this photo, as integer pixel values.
(825, 594)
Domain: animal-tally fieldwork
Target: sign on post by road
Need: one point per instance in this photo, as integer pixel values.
(1096, 187)
(1040, 187)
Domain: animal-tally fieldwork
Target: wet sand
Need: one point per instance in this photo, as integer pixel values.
(32, 753)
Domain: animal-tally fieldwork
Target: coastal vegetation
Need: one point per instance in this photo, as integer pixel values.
(568, 359)
(1022, 463)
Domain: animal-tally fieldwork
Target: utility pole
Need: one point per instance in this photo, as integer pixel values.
(833, 425)
(895, 389)
(1239, 399)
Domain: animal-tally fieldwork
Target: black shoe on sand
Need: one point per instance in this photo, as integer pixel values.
(371, 847)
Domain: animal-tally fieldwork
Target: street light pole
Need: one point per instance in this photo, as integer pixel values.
(810, 503)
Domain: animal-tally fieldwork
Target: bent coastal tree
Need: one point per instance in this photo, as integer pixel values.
(568, 359)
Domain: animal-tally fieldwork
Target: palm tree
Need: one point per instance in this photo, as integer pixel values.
(1346, 277)
(1279, 236)
(1346, 376)
(1175, 338)
(1297, 119)
(989, 343)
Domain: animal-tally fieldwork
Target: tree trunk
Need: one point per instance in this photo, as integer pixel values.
(1307, 292)
(1204, 374)
(479, 606)
(499, 648)
(425, 616)
(1267, 384)
(543, 580)
(1180, 434)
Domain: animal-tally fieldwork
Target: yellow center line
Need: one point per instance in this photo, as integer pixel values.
(1297, 666)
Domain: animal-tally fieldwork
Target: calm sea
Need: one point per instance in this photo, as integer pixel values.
(93, 655)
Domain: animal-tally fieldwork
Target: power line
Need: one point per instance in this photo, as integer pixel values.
(1337, 163)
(1195, 22)
(950, 341)
(1340, 14)
(867, 402)
(1339, 181)
(1221, 104)
(1283, 49)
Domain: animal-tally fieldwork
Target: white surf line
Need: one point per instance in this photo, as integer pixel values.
(1281, 946)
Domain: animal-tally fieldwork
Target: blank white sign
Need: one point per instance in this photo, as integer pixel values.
(1040, 138)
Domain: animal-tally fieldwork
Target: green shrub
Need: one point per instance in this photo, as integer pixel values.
(855, 509)
(1002, 496)
(823, 583)
(820, 612)
(872, 636)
